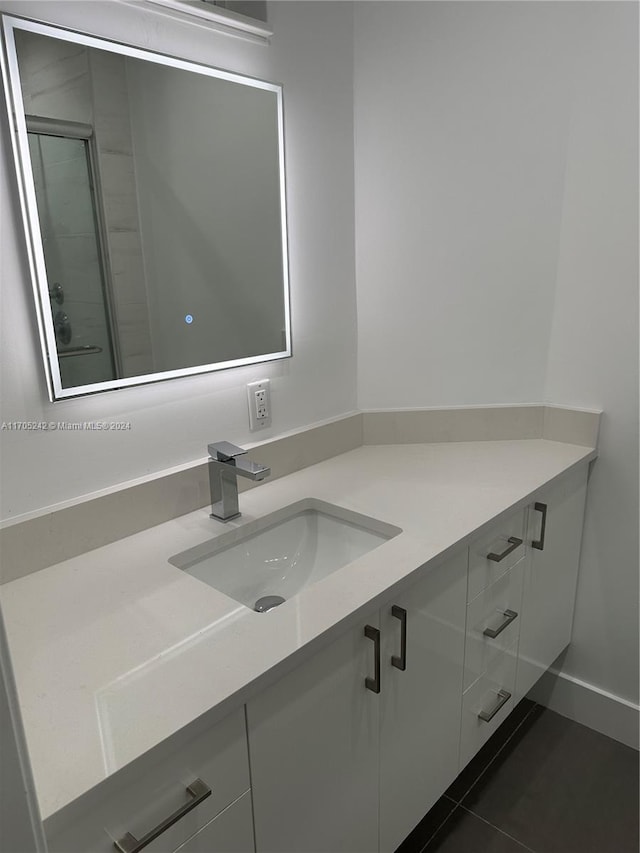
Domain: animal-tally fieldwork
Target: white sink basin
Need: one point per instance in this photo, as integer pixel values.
(284, 552)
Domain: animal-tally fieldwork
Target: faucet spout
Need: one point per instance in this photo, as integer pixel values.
(225, 466)
(251, 470)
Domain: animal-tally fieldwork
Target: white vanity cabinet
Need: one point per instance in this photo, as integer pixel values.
(343, 746)
(420, 705)
(494, 604)
(554, 536)
(351, 749)
(198, 777)
(313, 746)
(522, 587)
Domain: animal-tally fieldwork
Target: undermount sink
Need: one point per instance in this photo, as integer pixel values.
(271, 559)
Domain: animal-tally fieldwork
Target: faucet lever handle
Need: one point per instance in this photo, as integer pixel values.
(224, 451)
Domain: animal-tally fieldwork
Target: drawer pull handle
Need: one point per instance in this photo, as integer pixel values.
(514, 543)
(538, 544)
(487, 716)
(400, 661)
(197, 790)
(373, 684)
(509, 616)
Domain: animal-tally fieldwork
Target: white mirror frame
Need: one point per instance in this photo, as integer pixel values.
(29, 210)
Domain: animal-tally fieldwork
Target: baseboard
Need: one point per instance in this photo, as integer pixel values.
(590, 705)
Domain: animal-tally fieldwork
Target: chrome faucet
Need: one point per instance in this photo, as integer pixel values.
(225, 466)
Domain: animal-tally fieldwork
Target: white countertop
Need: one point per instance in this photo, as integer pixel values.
(115, 650)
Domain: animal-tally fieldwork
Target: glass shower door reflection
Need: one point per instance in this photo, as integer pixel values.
(74, 257)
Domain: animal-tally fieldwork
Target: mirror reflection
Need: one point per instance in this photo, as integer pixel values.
(160, 208)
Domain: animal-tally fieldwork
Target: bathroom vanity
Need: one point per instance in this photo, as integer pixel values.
(153, 701)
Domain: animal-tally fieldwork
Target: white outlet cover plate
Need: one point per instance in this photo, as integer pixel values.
(256, 423)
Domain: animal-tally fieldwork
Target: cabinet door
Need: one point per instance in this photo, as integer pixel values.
(230, 832)
(421, 705)
(550, 577)
(313, 747)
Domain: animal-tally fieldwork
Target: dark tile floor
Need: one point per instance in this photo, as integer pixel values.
(543, 784)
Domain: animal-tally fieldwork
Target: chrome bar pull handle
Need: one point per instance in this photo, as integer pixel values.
(538, 544)
(197, 790)
(400, 661)
(372, 633)
(514, 543)
(509, 616)
(503, 698)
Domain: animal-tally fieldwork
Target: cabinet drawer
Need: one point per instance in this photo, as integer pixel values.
(493, 690)
(230, 832)
(146, 792)
(492, 612)
(495, 553)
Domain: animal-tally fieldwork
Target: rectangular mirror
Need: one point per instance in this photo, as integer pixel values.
(153, 199)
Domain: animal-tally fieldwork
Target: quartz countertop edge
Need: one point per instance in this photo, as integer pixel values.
(116, 650)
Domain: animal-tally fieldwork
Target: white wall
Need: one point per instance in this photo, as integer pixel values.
(171, 423)
(593, 353)
(497, 246)
(461, 117)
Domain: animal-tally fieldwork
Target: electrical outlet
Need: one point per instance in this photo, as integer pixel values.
(259, 399)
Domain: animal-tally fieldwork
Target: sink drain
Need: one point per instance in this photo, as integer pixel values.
(267, 602)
